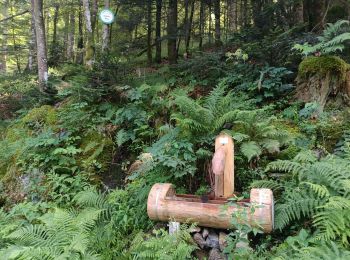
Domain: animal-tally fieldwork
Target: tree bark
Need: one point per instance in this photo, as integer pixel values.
(54, 56)
(40, 43)
(189, 28)
(90, 22)
(217, 12)
(80, 42)
(201, 24)
(158, 57)
(299, 12)
(3, 56)
(210, 29)
(149, 32)
(71, 36)
(105, 33)
(32, 45)
(172, 31)
(232, 15)
(184, 25)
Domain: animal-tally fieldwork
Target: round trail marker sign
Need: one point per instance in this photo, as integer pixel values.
(107, 16)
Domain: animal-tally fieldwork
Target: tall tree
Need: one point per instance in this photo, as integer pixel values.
(71, 36)
(149, 31)
(201, 23)
(54, 55)
(189, 28)
(37, 6)
(172, 31)
(158, 57)
(80, 42)
(217, 13)
(32, 45)
(299, 11)
(105, 33)
(90, 22)
(3, 52)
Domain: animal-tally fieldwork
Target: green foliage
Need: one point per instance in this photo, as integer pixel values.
(331, 41)
(161, 245)
(319, 191)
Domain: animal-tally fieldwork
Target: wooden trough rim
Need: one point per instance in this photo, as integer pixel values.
(197, 199)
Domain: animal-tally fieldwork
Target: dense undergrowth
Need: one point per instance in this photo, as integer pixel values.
(68, 191)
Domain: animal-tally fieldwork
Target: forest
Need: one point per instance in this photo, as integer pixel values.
(102, 100)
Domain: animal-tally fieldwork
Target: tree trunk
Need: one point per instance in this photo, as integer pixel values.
(299, 12)
(71, 34)
(201, 24)
(217, 13)
(172, 31)
(149, 32)
(158, 58)
(90, 22)
(184, 25)
(105, 33)
(3, 56)
(40, 43)
(80, 43)
(189, 28)
(232, 15)
(210, 29)
(32, 45)
(318, 13)
(54, 55)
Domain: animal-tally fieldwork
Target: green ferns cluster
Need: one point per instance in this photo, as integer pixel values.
(317, 189)
(331, 41)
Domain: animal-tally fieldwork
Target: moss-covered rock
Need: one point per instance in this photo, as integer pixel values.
(323, 65)
(44, 115)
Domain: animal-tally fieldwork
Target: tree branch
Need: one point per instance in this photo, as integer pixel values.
(13, 16)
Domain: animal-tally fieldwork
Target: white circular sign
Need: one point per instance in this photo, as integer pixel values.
(107, 16)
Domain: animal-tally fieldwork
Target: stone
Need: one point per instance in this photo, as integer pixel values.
(195, 230)
(215, 254)
(212, 240)
(201, 254)
(205, 233)
(222, 240)
(199, 240)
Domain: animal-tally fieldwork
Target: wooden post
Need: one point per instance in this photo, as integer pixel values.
(224, 184)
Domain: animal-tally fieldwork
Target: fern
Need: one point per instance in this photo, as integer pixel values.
(320, 193)
(331, 41)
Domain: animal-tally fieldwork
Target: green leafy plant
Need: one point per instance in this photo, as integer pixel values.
(162, 245)
(331, 41)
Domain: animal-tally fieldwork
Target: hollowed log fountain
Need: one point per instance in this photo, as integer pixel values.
(165, 205)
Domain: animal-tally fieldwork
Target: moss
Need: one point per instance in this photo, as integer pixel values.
(323, 65)
(44, 114)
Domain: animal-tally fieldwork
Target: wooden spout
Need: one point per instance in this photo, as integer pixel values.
(164, 205)
(224, 184)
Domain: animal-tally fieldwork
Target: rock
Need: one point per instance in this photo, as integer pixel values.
(201, 254)
(215, 254)
(212, 240)
(195, 230)
(199, 240)
(222, 240)
(205, 233)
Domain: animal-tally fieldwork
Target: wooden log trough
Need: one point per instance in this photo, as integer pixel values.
(165, 205)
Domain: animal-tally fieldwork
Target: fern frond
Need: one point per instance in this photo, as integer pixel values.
(250, 150)
(298, 204)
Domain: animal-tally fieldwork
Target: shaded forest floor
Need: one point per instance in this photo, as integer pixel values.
(77, 164)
